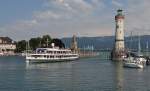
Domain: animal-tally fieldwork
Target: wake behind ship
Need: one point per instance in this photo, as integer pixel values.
(54, 54)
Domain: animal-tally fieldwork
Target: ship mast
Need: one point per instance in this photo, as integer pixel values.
(147, 48)
(139, 45)
(47, 42)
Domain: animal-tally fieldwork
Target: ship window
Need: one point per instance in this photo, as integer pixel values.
(117, 26)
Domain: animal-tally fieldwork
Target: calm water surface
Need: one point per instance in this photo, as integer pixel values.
(91, 74)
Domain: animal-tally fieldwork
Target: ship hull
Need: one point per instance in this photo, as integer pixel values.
(133, 65)
(44, 60)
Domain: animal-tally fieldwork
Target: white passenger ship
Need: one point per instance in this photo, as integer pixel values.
(53, 54)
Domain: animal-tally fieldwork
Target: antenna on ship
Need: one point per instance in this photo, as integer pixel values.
(139, 45)
(27, 50)
(40, 44)
(27, 47)
(147, 48)
(131, 40)
(47, 42)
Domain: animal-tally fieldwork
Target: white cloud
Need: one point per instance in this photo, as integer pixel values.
(137, 16)
(117, 3)
(42, 15)
(61, 18)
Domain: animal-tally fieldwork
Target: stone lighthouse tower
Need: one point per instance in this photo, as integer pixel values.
(119, 48)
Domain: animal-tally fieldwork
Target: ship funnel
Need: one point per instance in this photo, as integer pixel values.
(53, 45)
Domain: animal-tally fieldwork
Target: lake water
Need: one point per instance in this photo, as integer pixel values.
(92, 74)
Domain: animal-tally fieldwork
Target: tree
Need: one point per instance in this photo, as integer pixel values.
(46, 40)
(35, 43)
(20, 46)
(58, 43)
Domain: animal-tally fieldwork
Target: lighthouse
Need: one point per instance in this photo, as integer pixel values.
(119, 47)
(119, 35)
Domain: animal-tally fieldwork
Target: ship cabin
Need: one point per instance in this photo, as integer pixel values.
(52, 51)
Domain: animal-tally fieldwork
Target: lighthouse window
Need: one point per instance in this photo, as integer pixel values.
(120, 32)
(117, 26)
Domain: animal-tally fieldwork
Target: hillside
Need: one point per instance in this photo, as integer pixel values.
(108, 42)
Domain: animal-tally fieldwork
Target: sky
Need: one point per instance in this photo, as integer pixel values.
(25, 19)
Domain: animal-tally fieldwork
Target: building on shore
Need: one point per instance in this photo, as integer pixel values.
(118, 52)
(7, 46)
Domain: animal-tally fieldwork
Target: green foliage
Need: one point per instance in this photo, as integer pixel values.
(58, 43)
(34, 43)
(46, 41)
(20, 46)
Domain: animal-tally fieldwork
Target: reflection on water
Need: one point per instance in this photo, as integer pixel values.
(51, 76)
(91, 74)
(119, 75)
(48, 65)
(122, 77)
